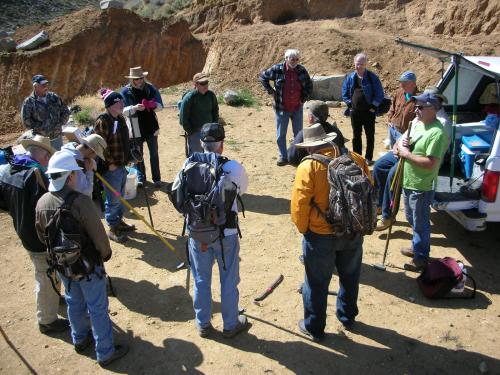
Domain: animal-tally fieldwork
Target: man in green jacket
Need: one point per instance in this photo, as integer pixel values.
(198, 107)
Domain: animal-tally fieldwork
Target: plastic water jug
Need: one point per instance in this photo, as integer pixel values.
(131, 184)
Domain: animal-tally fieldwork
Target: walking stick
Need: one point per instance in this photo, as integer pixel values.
(396, 188)
(139, 216)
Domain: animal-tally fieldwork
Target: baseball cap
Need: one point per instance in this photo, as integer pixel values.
(429, 99)
(212, 132)
(38, 78)
(408, 76)
(62, 163)
(435, 91)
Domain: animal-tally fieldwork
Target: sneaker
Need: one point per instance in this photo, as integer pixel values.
(415, 265)
(115, 235)
(120, 351)
(58, 325)
(303, 329)
(240, 327)
(80, 348)
(369, 162)
(124, 227)
(281, 162)
(205, 331)
(158, 184)
(383, 224)
(407, 252)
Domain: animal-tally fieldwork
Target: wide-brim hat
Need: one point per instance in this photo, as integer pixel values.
(315, 135)
(136, 73)
(38, 141)
(96, 143)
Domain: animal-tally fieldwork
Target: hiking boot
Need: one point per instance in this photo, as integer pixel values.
(240, 327)
(383, 224)
(158, 184)
(114, 234)
(303, 329)
(407, 252)
(120, 351)
(415, 265)
(58, 325)
(124, 227)
(281, 162)
(80, 348)
(369, 162)
(205, 331)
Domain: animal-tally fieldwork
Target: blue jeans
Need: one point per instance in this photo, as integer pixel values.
(418, 210)
(282, 118)
(89, 295)
(113, 208)
(322, 253)
(194, 144)
(383, 174)
(154, 160)
(201, 267)
(393, 135)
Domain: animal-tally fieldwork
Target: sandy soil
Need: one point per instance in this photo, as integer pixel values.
(398, 331)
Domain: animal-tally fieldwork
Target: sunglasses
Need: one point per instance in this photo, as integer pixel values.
(138, 79)
(202, 83)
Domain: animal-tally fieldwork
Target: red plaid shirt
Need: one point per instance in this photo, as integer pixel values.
(291, 91)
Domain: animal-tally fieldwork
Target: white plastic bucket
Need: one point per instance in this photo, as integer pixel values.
(131, 184)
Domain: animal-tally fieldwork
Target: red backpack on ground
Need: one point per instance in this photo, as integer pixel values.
(441, 276)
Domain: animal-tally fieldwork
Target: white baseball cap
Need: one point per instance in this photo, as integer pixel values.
(64, 163)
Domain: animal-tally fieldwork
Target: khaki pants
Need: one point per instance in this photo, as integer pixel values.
(47, 300)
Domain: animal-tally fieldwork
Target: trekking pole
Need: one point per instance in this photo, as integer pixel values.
(147, 202)
(126, 204)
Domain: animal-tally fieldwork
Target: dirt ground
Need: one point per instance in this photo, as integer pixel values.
(398, 331)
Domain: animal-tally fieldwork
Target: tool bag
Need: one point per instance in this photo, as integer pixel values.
(70, 251)
(441, 276)
(352, 207)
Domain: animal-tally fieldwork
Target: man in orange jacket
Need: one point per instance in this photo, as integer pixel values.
(323, 252)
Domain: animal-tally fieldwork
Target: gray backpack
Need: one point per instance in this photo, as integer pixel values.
(352, 207)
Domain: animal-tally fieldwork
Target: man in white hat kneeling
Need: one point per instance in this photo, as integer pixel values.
(85, 289)
(323, 251)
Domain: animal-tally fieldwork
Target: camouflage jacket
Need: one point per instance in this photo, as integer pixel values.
(46, 119)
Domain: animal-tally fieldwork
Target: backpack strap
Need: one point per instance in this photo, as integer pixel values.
(39, 179)
(325, 160)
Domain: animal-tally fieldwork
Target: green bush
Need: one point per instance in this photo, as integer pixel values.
(85, 116)
(245, 99)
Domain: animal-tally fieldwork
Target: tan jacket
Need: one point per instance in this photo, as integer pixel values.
(83, 210)
(401, 112)
(311, 182)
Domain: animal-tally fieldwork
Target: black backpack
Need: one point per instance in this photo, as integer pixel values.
(70, 250)
(352, 207)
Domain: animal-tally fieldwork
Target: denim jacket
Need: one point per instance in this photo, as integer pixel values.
(372, 88)
(276, 73)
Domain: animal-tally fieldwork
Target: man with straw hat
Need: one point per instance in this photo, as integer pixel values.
(142, 100)
(85, 295)
(22, 183)
(322, 251)
(85, 153)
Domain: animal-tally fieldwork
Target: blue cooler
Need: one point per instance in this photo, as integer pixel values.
(471, 146)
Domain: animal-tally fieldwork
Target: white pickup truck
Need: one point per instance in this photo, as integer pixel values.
(468, 184)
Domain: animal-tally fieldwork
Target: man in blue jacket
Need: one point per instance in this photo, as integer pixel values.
(362, 91)
(292, 87)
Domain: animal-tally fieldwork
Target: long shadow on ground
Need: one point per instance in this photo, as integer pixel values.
(266, 204)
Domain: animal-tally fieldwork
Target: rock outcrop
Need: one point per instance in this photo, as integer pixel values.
(92, 49)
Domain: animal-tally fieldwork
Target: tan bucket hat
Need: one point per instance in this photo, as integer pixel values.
(315, 135)
(136, 73)
(96, 143)
(38, 141)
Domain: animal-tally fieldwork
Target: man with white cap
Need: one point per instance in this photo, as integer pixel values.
(322, 250)
(422, 151)
(22, 183)
(85, 153)
(86, 294)
(44, 111)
